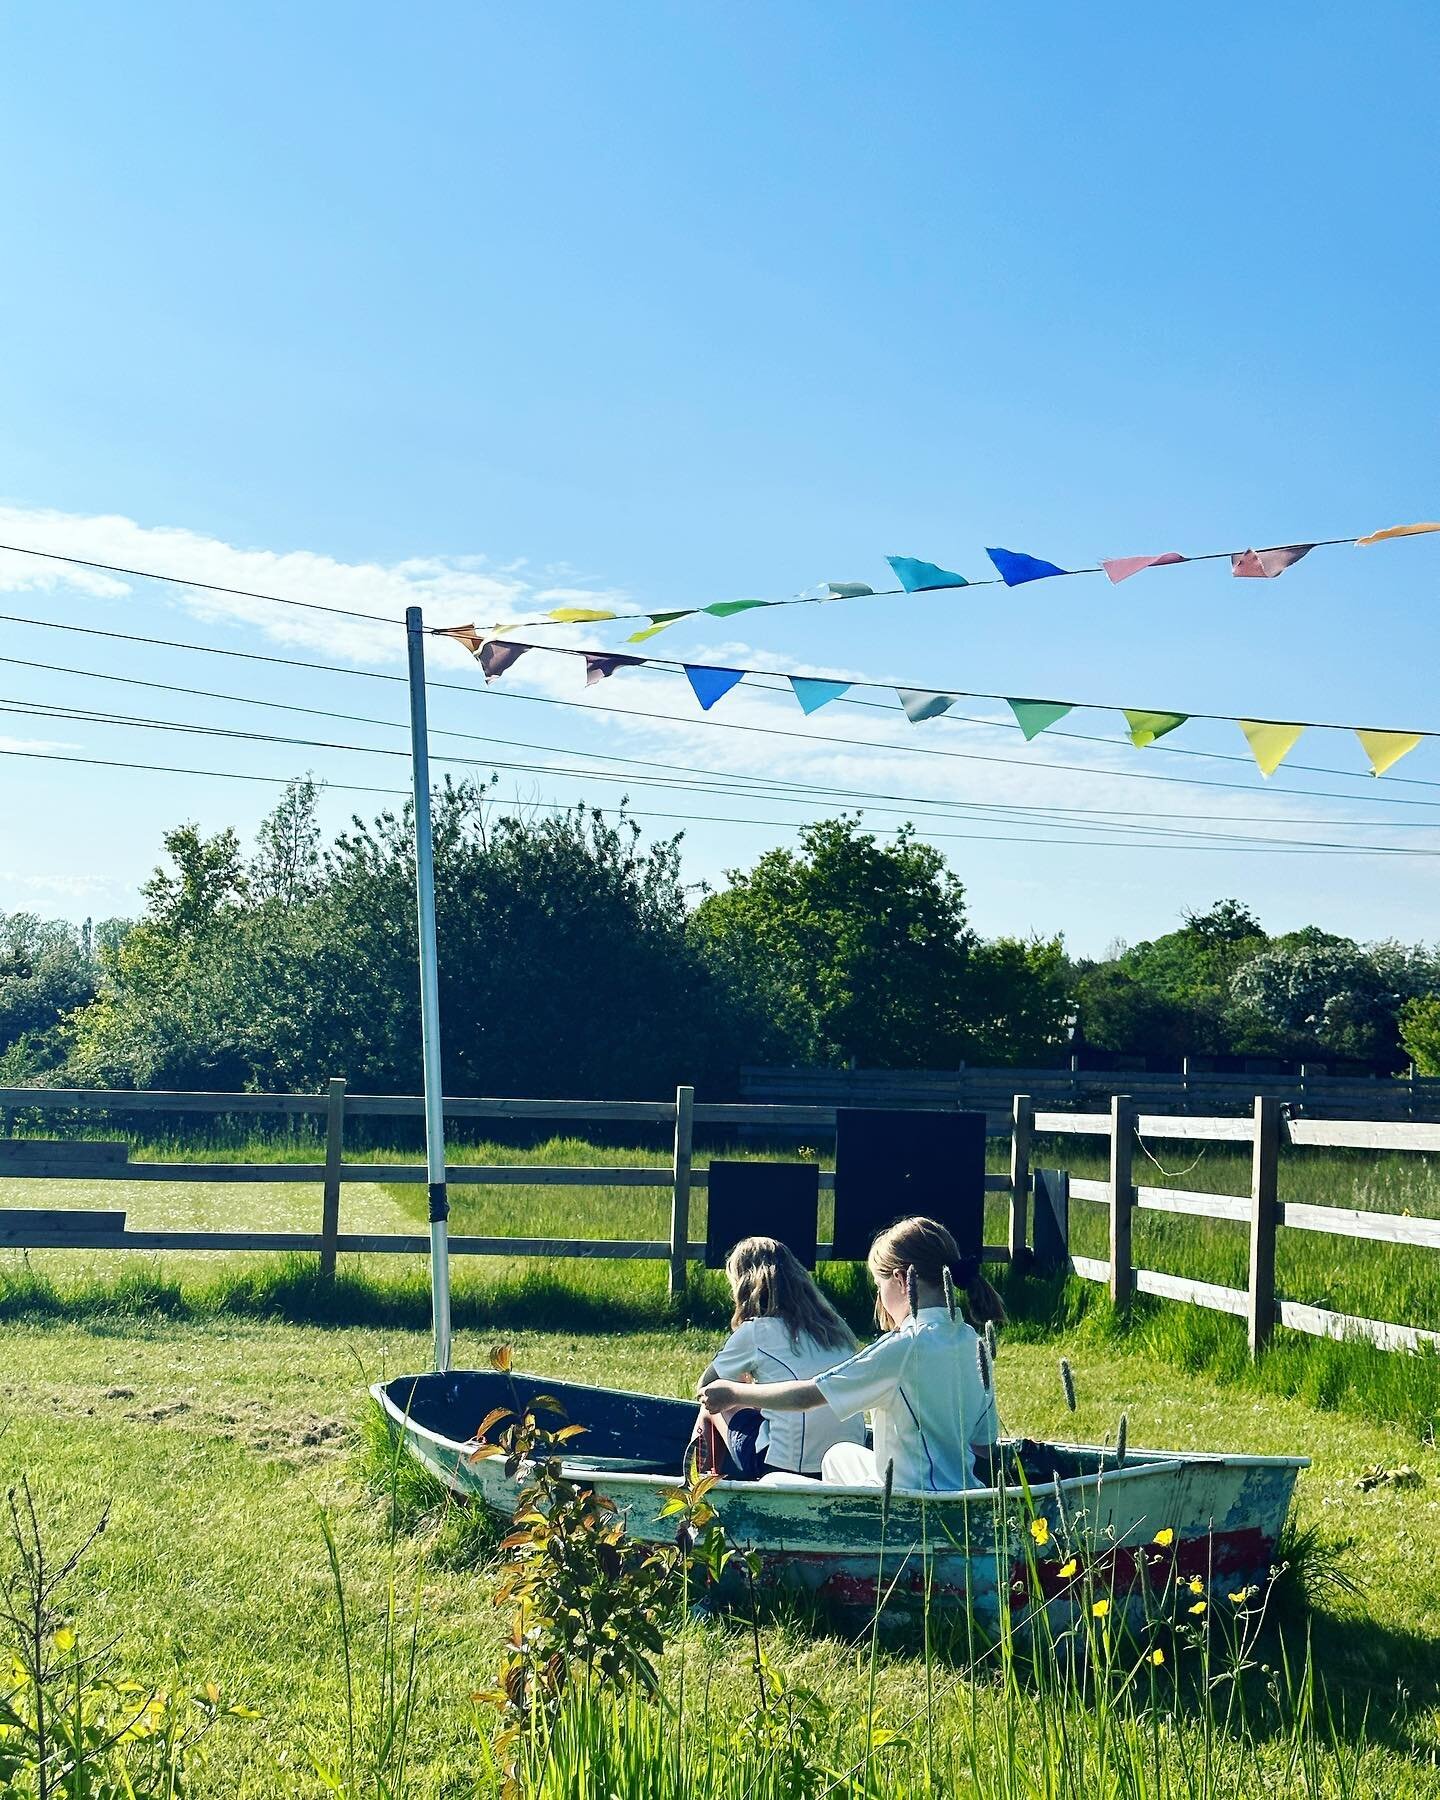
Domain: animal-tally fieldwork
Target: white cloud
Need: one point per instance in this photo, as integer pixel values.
(451, 590)
(36, 746)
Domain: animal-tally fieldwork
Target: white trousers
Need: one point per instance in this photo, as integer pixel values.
(851, 1465)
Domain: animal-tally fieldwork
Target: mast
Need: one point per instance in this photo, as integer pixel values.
(439, 1204)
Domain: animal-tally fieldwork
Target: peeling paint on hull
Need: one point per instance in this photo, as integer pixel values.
(1226, 1512)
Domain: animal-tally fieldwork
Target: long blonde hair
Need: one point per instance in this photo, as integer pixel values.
(768, 1282)
(925, 1246)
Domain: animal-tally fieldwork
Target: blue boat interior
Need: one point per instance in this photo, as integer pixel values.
(644, 1434)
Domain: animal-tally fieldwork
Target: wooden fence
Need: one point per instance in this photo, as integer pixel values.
(1264, 1130)
(1310, 1094)
(86, 1160)
(1261, 1209)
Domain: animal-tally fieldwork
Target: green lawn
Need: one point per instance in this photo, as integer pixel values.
(211, 1401)
(216, 1443)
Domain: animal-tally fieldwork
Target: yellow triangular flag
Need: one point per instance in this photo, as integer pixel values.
(1394, 531)
(578, 615)
(1385, 748)
(1269, 743)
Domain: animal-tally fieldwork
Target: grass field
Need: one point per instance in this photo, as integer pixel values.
(218, 1443)
(214, 1402)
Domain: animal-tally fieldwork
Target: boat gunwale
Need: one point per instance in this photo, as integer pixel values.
(1160, 1459)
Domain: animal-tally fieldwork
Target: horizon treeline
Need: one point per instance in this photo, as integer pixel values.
(575, 961)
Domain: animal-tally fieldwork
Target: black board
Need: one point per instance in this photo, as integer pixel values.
(762, 1199)
(890, 1165)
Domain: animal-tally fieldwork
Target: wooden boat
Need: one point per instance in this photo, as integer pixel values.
(1217, 1518)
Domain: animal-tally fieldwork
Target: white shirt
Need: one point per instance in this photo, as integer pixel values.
(765, 1350)
(928, 1403)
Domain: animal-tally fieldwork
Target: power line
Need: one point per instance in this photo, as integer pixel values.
(81, 562)
(724, 819)
(807, 737)
(739, 778)
(1133, 824)
(209, 587)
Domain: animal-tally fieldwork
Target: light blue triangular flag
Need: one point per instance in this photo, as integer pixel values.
(923, 703)
(710, 684)
(918, 577)
(813, 694)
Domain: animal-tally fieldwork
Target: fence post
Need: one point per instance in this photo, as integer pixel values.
(1022, 1130)
(1122, 1199)
(680, 1196)
(334, 1152)
(1264, 1182)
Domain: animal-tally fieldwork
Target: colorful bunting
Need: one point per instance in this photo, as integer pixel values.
(496, 656)
(466, 635)
(599, 665)
(579, 615)
(1267, 564)
(1015, 567)
(921, 703)
(1385, 748)
(1396, 531)
(1121, 568)
(709, 684)
(851, 590)
(1146, 727)
(813, 693)
(1035, 716)
(1269, 742)
(918, 577)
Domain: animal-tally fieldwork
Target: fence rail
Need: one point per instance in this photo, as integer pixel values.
(1313, 1093)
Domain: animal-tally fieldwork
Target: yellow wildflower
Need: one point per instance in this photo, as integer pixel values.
(1198, 1607)
(64, 1638)
(1040, 1530)
(1197, 1586)
(1240, 1598)
(1100, 1608)
(1165, 1537)
(1157, 1656)
(1070, 1568)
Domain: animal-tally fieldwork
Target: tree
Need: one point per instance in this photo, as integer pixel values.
(1345, 996)
(286, 865)
(47, 969)
(1420, 1034)
(867, 939)
(1018, 1000)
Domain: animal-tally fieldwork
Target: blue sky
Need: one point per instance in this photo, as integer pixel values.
(665, 303)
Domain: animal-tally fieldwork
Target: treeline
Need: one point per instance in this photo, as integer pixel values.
(575, 961)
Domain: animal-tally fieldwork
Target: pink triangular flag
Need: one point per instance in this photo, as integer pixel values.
(1121, 568)
(1267, 564)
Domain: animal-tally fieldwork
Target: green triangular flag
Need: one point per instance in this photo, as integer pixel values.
(725, 609)
(1033, 716)
(1145, 727)
(658, 623)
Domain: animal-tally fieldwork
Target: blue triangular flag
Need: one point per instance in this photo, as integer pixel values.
(1015, 567)
(813, 694)
(709, 684)
(918, 577)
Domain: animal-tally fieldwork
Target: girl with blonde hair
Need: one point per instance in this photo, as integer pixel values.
(922, 1381)
(783, 1329)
